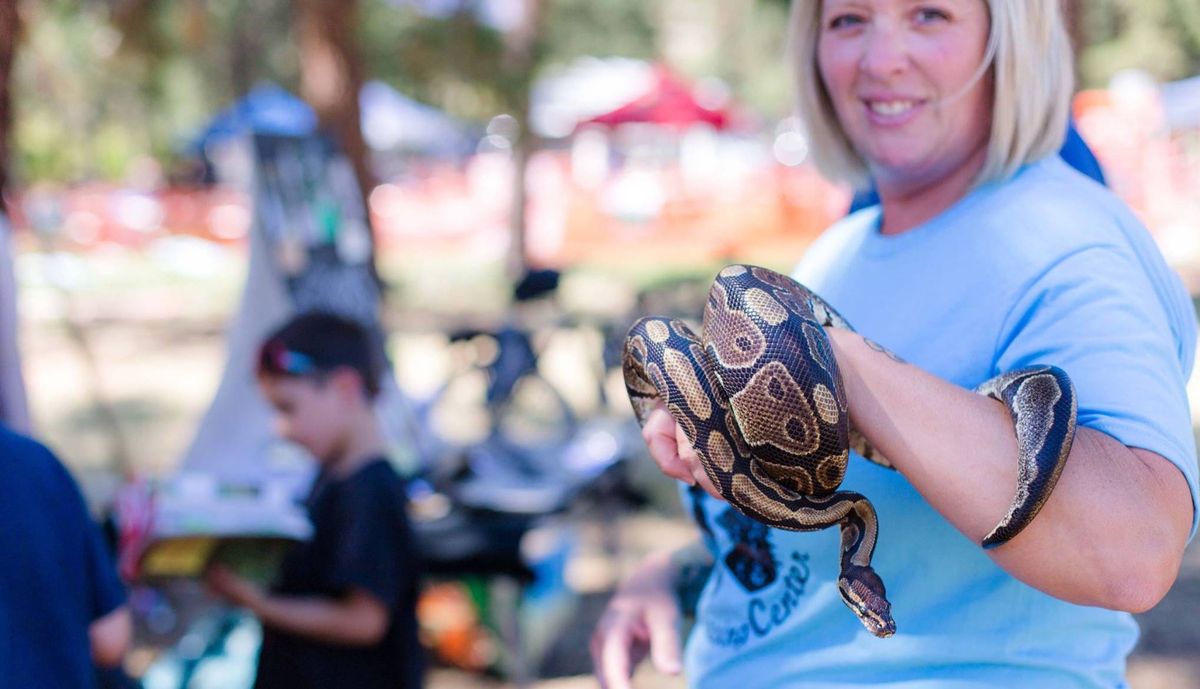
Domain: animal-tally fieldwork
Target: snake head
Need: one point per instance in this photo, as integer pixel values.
(862, 591)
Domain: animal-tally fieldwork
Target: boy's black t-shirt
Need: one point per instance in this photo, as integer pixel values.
(361, 540)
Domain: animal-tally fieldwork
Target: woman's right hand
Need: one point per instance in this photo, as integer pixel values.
(672, 452)
(641, 619)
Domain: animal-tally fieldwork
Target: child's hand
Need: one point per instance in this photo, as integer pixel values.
(241, 592)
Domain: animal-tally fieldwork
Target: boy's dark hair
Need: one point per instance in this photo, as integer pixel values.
(314, 344)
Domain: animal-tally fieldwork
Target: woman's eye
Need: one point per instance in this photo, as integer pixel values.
(842, 21)
(927, 15)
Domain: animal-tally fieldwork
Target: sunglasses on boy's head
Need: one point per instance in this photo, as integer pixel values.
(276, 358)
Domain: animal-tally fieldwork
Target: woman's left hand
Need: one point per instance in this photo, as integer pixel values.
(671, 451)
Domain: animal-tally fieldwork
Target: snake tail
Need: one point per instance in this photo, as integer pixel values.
(1042, 403)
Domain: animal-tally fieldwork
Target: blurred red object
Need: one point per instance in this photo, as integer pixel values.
(670, 102)
(94, 214)
(135, 520)
(451, 628)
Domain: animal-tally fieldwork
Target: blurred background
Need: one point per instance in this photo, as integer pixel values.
(502, 186)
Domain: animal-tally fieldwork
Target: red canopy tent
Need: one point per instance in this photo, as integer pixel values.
(670, 102)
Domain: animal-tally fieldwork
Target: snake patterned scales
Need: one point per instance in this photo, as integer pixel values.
(761, 400)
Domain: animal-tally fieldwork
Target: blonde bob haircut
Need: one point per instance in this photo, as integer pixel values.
(1029, 55)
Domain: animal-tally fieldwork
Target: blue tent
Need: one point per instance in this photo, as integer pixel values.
(266, 109)
(390, 121)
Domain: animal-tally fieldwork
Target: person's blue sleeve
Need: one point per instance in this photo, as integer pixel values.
(105, 590)
(1095, 314)
(108, 592)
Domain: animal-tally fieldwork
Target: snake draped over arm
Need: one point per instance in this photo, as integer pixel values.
(760, 398)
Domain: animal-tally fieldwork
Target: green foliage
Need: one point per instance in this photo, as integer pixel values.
(92, 93)
(90, 96)
(586, 27)
(452, 62)
(1161, 37)
(753, 58)
(458, 63)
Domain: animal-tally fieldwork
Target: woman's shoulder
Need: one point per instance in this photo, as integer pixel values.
(1056, 226)
(1050, 210)
(1050, 195)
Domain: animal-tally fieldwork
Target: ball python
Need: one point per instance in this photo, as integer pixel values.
(762, 402)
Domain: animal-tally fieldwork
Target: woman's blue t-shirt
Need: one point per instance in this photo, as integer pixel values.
(1048, 268)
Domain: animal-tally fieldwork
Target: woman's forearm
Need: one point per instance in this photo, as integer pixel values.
(1112, 534)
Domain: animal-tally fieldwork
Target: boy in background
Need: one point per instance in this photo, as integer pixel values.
(343, 610)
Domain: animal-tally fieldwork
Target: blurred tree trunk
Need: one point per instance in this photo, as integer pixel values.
(10, 29)
(331, 76)
(521, 53)
(241, 50)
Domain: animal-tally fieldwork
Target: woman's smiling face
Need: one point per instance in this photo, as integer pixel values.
(903, 78)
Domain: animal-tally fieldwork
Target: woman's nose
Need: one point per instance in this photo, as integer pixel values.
(884, 49)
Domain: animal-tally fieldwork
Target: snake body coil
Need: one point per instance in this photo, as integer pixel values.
(761, 400)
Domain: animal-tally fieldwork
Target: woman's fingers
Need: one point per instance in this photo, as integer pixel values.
(624, 637)
(659, 432)
(688, 457)
(641, 619)
(673, 452)
(662, 625)
(615, 649)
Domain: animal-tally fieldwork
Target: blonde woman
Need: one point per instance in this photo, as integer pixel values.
(986, 253)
